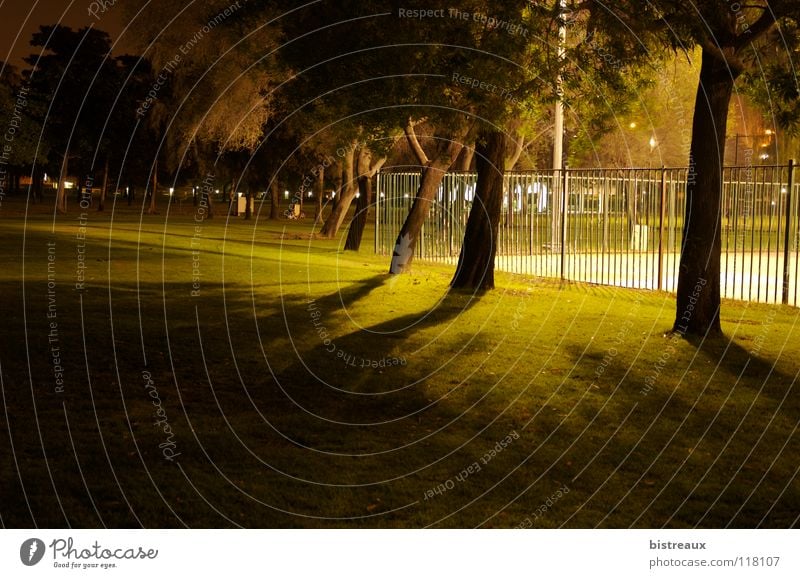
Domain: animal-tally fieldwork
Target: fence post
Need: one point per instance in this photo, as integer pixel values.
(663, 208)
(377, 210)
(564, 213)
(787, 236)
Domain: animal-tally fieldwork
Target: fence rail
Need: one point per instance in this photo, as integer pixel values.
(619, 227)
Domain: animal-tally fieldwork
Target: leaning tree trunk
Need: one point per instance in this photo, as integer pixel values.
(476, 262)
(432, 176)
(152, 209)
(698, 300)
(338, 184)
(101, 204)
(465, 159)
(334, 220)
(319, 190)
(61, 192)
(356, 229)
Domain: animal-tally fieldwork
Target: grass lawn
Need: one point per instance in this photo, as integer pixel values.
(164, 372)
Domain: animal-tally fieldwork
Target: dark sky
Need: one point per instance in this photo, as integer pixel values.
(20, 19)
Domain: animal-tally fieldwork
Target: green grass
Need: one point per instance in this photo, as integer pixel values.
(273, 429)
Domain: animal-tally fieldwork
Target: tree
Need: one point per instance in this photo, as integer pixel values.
(366, 173)
(446, 148)
(345, 196)
(120, 145)
(72, 88)
(380, 63)
(731, 43)
(23, 150)
(732, 38)
(214, 83)
(513, 120)
(476, 261)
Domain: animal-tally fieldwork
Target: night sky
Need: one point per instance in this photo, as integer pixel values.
(19, 20)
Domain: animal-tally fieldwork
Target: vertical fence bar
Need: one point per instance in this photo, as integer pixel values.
(563, 178)
(787, 238)
(794, 221)
(663, 208)
(377, 211)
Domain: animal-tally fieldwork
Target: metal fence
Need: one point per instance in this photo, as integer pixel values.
(618, 227)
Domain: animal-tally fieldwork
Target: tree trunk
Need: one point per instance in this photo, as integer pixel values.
(61, 192)
(153, 194)
(338, 185)
(334, 221)
(356, 230)
(101, 204)
(465, 159)
(210, 204)
(519, 146)
(698, 300)
(319, 190)
(248, 203)
(275, 200)
(359, 222)
(38, 184)
(432, 176)
(476, 262)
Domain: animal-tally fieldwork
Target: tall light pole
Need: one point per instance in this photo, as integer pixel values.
(558, 132)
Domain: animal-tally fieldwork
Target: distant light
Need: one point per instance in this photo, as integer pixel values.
(68, 184)
(333, 194)
(764, 156)
(382, 195)
(653, 142)
(171, 190)
(783, 190)
(768, 131)
(285, 194)
(217, 191)
(405, 196)
(310, 194)
(358, 195)
(632, 125)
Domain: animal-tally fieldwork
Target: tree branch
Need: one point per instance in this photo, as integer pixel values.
(761, 26)
(519, 146)
(734, 63)
(376, 167)
(411, 136)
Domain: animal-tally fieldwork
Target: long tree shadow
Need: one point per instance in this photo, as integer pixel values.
(370, 373)
(703, 430)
